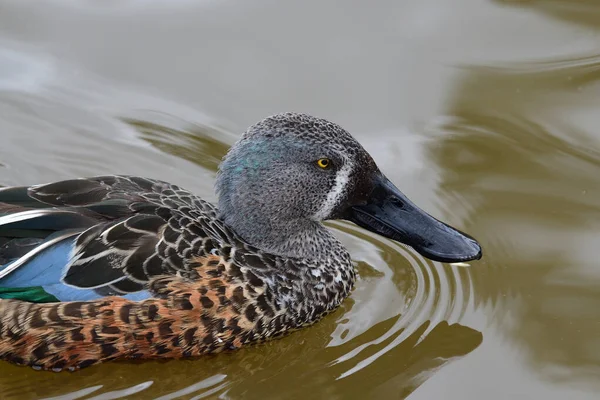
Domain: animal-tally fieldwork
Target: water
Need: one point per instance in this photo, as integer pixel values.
(483, 112)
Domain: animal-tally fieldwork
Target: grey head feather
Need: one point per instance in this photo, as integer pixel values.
(275, 197)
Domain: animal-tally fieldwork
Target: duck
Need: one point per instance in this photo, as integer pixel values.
(124, 267)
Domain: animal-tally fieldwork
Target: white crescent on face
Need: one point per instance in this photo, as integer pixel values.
(337, 191)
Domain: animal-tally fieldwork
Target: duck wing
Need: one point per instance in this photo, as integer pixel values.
(84, 239)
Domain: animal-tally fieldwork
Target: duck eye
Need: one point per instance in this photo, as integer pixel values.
(324, 163)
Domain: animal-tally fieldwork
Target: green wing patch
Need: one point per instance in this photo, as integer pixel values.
(33, 294)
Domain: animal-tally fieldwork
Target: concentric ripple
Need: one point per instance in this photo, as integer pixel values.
(433, 294)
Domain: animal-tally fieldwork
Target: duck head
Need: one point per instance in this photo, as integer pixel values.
(290, 172)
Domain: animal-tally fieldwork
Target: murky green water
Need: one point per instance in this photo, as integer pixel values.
(486, 113)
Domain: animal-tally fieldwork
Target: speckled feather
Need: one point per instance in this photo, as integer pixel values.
(202, 303)
(225, 308)
(140, 228)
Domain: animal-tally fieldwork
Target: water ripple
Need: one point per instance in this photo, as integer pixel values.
(439, 293)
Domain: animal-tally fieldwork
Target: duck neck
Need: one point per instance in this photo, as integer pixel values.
(298, 238)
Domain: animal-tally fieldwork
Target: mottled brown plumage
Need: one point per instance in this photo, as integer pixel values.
(187, 318)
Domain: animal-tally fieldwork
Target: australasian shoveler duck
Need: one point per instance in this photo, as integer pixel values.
(118, 267)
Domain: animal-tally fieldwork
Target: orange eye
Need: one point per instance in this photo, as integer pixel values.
(324, 163)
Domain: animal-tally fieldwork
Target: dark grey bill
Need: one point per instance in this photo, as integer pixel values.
(390, 213)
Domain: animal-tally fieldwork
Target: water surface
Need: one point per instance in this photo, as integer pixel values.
(485, 113)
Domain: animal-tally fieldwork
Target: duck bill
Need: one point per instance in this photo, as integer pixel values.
(390, 213)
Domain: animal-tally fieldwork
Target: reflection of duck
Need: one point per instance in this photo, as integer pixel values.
(125, 267)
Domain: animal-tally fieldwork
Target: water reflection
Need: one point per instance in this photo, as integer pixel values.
(280, 371)
(584, 12)
(520, 148)
(203, 146)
